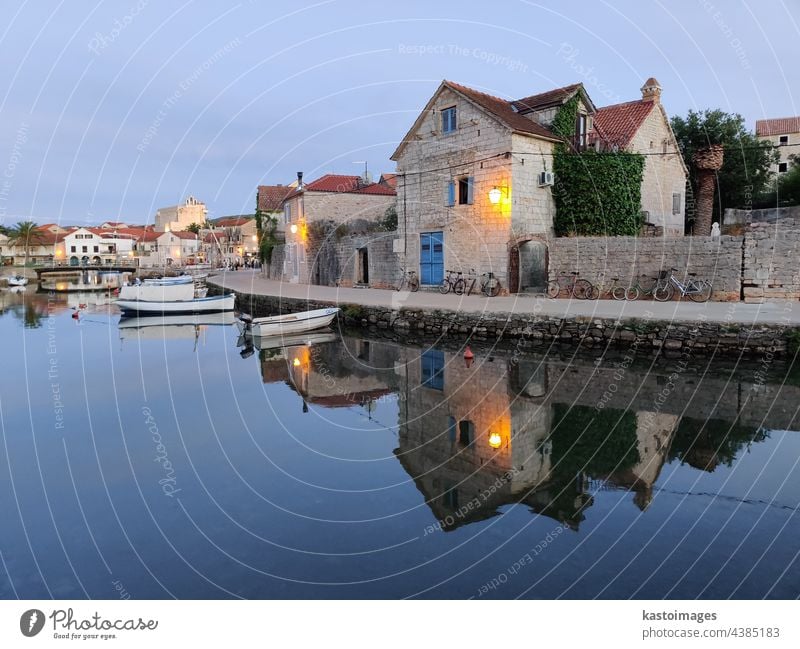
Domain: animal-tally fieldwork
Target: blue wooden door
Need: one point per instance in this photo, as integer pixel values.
(431, 258)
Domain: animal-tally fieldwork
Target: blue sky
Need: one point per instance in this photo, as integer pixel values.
(110, 110)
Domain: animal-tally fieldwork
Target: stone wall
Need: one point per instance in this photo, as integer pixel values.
(718, 261)
(336, 261)
(669, 337)
(771, 270)
(733, 217)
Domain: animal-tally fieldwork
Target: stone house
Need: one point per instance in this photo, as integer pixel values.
(317, 215)
(98, 245)
(642, 126)
(474, 181)
(174, 249)
(231, 239)
(180, 217)
(474, 184)
(784, 133)
(269, 201)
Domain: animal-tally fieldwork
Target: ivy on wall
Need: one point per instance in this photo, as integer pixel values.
(266, 226)
(596, 193)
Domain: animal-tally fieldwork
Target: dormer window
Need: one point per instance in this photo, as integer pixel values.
(449, 120)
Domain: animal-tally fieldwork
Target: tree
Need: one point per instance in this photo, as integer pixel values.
(389, 220)
(194, 228)
(26, 234)
(747, 161)
(789, 184)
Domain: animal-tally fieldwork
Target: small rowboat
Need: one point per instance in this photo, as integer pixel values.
(198, 305)
(17, 280)
(290, 323)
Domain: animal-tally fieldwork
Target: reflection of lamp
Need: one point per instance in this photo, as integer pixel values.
(495, 195)
(296, 362)
(495, 440)
(293, 228)
(255, 238)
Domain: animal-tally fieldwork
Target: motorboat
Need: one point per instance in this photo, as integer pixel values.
(289, 323)
(17, 280)
(173, 295)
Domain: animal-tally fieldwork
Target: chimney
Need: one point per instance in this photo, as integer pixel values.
(299, 180)
(651, 90)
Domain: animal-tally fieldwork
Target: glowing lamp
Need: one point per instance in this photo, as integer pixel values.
(293, 228)
(255, 238)
(495, 440)
(296, 362)
(495, 195)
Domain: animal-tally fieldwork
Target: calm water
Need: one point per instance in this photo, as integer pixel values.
(168, 462)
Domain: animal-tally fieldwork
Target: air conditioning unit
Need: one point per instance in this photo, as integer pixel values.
(545, 178)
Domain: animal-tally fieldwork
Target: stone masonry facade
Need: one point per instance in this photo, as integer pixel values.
(771, 270)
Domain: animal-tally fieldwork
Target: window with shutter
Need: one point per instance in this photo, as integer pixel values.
(449, 120)
(450, 193)
(676, 203)
(466, 193)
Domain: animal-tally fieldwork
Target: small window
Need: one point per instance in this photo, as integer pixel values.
(72, 248)
(466, 192)
(784, 139)
(287, 213)
(84, 249)
(97, 248)
(783, 167)
(676, 203)
(466, 432)
(449, 120)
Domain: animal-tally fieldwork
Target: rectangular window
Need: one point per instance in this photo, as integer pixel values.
(784, 139)
(84, 249)
(97, 248)
(432, 363)
(466, 432)
(72, 248)
(676, 203)
(449, 120)
(466, 193)
(287, 213)
(783, 167)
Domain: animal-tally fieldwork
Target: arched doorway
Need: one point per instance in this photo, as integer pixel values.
(527, 265)
(96, 261)
(85, 260)
(74, 261)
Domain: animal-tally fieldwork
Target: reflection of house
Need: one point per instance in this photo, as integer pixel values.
(783, 133)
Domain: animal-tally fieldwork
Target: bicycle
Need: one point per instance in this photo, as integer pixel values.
(697, 290)
(469, 281)
(409, 279)
(454, 281)
(644, 286)
(580, 289)
(617, 291)
(490, 287)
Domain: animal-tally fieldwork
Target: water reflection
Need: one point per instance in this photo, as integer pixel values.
(543, 432)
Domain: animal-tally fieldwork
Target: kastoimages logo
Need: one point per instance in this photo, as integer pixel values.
(31, 622)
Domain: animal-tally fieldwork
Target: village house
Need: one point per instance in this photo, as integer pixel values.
(318, 214)
(269, 202)
(46, 248)
(475, 177)
(783, 133)
(180, 217)
(230, 240)
(642, 126)
(95, 246)
(174, 249)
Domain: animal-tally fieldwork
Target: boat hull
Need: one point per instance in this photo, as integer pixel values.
(288, 324)
(17, 281)
(213, 304)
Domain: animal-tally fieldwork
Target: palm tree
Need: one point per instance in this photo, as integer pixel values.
(194, 227)
(25, 233)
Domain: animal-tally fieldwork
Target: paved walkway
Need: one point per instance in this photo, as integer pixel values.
(786, 313)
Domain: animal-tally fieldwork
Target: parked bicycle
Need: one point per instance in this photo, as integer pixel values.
(452, 282)
(615, 290)
(697, 290)
(470, 281)
(644, 286)
(490, 285)
(580, 289)
(409, 280)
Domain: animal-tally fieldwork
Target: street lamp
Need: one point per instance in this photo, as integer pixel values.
(495, 440)
(293, 228)
(495, 194)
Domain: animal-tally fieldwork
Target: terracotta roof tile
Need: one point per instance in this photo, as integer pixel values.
(616, 125)
(333, 183)
(376, 189)
(388, 179)
(503, 111)
(546, 99)
(777, 126)
(231, 222)
(270, 197)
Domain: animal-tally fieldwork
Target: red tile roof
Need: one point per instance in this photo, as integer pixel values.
(503, 111)
(376, 189)
(181, 234)
(616, 125)
(270, 197)
(546, 99)
(232, 222)
(388, 179)
(777, 126)
(343, 184)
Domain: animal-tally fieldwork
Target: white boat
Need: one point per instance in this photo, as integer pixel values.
(181, 294)
(168, 327)
(293, 340)
(17, 280)
(212, 304)
(289, 323)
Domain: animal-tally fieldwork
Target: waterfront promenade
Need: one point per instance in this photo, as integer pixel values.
(734, 313)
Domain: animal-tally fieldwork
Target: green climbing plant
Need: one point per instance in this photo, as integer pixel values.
(266, 227)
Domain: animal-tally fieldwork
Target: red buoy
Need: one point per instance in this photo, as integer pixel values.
(468, 355)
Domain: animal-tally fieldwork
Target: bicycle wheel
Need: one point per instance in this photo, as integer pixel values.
(594, 292)
(619, 293)
(458, 287)
(632, 293)
(583, 289)
(494, 288)
(399, 287)
(699, 291)
(413, 284)
(553, 289)
(444, 287)
(663, 292)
